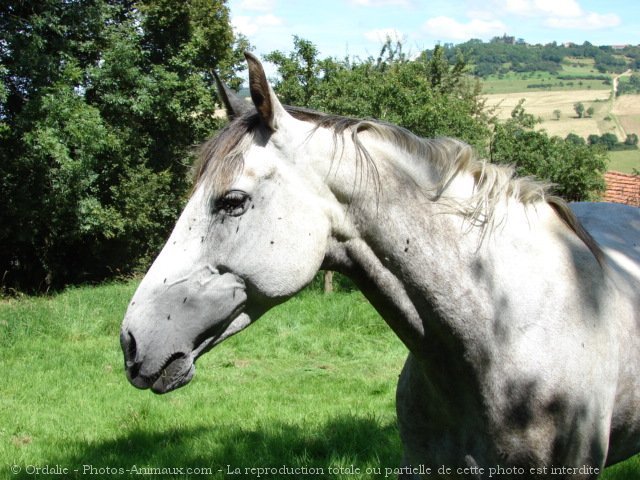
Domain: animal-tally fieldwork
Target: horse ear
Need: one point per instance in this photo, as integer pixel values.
(264, 98)
(233, 104)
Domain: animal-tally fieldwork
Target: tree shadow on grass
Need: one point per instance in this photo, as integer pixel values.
(285, 450)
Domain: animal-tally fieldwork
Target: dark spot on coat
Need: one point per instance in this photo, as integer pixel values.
(169, 317)
(406, 249)
(521, 404)
(272, 242)
(164, 281)
(201, 239)
(237, 228)
(184, 300)
(407, 241)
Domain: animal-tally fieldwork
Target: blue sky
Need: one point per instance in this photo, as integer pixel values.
(357, 28)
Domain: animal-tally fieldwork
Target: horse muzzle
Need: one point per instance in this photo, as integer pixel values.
(169, 324)
(176, 371)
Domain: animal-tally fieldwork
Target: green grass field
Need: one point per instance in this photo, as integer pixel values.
(311, 385)
(624, 161)
(513, 82)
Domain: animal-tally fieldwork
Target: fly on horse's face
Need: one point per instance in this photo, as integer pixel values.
(241, 245)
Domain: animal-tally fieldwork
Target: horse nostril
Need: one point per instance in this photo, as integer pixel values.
(129, 348)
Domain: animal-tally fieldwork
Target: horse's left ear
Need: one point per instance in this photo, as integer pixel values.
(264, 98)
(233, 104)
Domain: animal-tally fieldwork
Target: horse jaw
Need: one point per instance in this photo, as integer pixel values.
(171, 323)
(182, 369)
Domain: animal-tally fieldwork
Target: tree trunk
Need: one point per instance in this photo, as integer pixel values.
(328, 281)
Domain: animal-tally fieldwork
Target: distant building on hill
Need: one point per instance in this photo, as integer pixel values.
(506, 39)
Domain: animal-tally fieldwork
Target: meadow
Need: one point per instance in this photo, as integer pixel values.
(625, 161)
(513, 82)
(554, 105)
(310, 388)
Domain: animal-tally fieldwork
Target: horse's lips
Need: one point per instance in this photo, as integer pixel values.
(180, 371)
(174, 375)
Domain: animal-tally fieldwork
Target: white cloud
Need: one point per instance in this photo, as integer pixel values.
(446, 28)
(381, 3)
(587, 21)
(558, 13)
(251, 25)
(381, 35)
(258, 5)
(556, 8)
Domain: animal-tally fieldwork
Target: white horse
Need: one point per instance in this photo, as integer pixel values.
(523, 332)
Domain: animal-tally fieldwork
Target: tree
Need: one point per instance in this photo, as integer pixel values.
(575, 170)
(299, 71)
(428, 96)
(593, 139)
(609, 140)
(579, 109)
(575, 139)
(101, 103)
(631, 140)
(590, 111)
(556, 114)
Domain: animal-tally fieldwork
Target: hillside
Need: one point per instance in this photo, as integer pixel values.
(553, 78)
(507, 54)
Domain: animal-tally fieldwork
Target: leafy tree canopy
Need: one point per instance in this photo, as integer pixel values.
(101, 103)
(428, 96)
(574, 169)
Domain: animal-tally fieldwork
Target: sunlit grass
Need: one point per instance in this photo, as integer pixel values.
(310, 386)
(626, 161)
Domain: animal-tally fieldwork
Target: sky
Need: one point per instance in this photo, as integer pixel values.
(358, 28)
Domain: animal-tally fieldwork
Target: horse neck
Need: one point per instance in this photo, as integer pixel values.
(419, 261)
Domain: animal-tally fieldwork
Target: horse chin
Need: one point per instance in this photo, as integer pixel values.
(237, 324)
(175, 374)
(180, 368)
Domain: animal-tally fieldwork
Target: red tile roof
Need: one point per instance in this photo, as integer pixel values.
(622, 188)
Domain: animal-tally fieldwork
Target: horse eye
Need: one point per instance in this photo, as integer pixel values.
(234, 203)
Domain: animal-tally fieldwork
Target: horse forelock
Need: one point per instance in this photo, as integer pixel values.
(221, 158)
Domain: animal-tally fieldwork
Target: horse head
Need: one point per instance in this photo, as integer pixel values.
(253, 233)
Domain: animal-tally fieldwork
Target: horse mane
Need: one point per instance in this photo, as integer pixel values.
(222, 159)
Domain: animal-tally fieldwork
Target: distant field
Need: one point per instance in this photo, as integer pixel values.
(543, 81)
(543, 104)
(627, 110)
(578, 65)
(512, 82)
(625, 161)
(620, 117)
